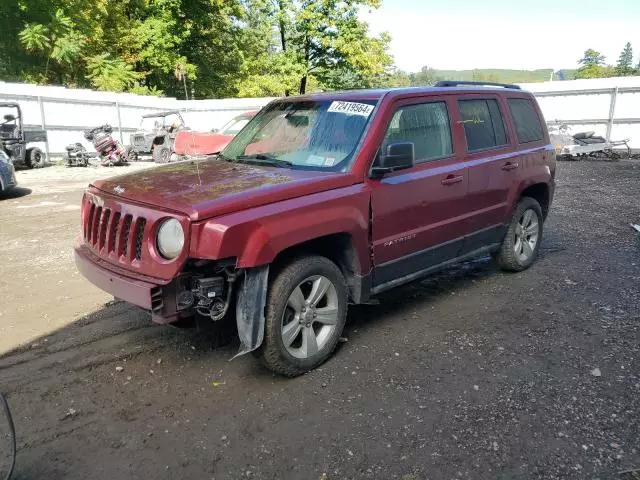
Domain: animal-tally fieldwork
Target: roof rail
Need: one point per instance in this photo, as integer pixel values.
(455, 83)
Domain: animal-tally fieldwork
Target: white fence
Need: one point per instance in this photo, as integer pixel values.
(65, 113)
(610, 107)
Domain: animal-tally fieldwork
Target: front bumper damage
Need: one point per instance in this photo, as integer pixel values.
(171, 301)
(151, 294)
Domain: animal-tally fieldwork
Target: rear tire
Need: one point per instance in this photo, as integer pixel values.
(35, 158)
(305, 314)
(520, 245)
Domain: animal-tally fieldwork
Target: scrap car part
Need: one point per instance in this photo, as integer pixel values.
(252, 298)
(208, 295)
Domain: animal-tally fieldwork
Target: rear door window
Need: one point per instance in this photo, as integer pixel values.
(483, 124)
(526, 120)
(426, 125)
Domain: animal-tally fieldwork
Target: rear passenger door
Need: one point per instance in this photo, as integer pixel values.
(418, 214)
(492, 163)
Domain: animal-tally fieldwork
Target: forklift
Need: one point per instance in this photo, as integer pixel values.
(14, 138)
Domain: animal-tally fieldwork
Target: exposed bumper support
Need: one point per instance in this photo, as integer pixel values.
(128, 289)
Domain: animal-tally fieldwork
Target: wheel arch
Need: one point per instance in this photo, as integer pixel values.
(337, 247)
(541, 193)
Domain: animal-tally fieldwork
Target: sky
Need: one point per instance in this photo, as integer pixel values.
(517, 34)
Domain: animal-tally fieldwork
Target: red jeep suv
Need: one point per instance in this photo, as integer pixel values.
(322, 200)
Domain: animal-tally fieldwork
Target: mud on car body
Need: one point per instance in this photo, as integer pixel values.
(322, 200)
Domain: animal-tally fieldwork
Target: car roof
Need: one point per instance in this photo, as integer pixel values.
(378, 93)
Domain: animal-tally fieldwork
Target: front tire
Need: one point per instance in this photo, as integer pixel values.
(520, 246)
(305, 314)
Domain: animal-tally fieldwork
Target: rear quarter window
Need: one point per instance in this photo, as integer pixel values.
(526, 120)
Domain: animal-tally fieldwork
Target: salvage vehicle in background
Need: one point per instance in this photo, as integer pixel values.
(189, 143)
(110, 151)
(7, 173)
(573, 146)
(14, 139)
(156, 135)
(324, 200)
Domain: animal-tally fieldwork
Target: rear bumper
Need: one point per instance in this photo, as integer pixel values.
(125, 288)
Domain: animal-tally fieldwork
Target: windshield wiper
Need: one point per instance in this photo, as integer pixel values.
(264, 160)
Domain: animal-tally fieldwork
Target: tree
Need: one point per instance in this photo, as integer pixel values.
(625, 61)
(328, 37)
(291, 46)
(394, 78)
(426, 76)
(222, 48)
(57, 41)
(111, 74)
(593, 65)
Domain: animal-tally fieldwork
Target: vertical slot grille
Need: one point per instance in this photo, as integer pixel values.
(140, 224)
(109, 232)
(95, 226)
(126, 228)
(89, 222)
(113, 233)
(104, 221)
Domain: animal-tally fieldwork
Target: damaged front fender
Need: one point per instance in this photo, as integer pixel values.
(252, 299)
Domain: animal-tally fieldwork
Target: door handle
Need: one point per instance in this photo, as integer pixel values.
(452, 179)
(510, 166)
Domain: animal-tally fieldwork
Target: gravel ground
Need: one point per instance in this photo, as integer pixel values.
(471, 374)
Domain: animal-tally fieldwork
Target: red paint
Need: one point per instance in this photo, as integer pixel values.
(252, 213)
(190, 142)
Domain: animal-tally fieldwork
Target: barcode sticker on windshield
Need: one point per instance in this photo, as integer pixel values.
(351, 108)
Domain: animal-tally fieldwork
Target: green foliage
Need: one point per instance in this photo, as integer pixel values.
(426, 76)
(111, 74)
(497, 75)
(592, 58)
(222, 48)
(139, 89)
(35, 37)
(625, 61)
(593, 65)
(217, 47)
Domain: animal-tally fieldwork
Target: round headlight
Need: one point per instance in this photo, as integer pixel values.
(170, 239)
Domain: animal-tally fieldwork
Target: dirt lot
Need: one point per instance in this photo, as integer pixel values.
(472, 374)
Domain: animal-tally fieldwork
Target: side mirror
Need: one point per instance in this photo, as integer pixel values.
(398, 156)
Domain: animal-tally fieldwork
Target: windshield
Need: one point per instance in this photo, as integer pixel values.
(156, 123)
(151, 123)
(234, 126)
(314, 135)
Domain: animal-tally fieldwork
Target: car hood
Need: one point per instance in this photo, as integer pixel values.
(203, 189)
